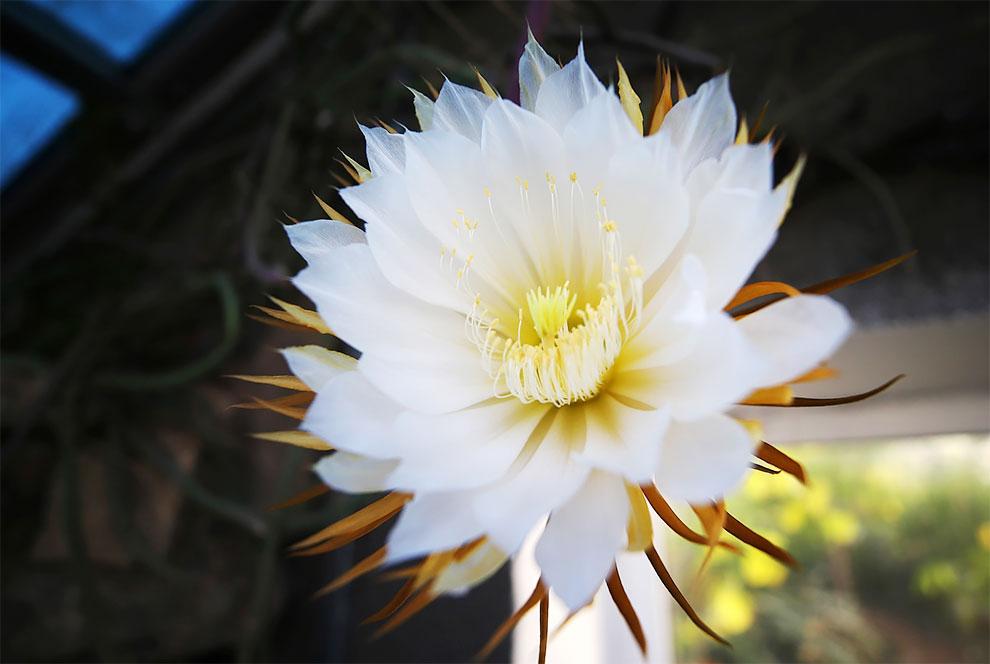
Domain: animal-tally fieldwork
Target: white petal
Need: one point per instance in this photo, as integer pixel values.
(543, 478)
(407, 253)
(703, 460)
(704, 124)
(352, 415)
(721, 369)
(795, 334)
(354, 473)
(462, 575)
(738, 167)
(460, 110)
(445, 179)
(423, 106)
(567, 91)
(594, 134)
(369, 313)
(534, 67)
(647, 201)
(735, 219)
(624, 439)
(578, 547)
(386, 151)
(315, 240)
(444, 173)
(449, 379)
(464, 449)
(517, 143)
(520, 147)
(671, 319)
(432, 522)
(315, 365)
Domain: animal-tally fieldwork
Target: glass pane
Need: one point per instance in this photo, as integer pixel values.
(32, 110)
(122, 28)
(894, 543)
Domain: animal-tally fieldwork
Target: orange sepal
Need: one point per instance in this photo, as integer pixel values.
(813, 402)
(781, 395)
(393, 604)
(285, 382)
(662, 100)
(668, 582)
(366, 565)
(301, 497)
(750, 292)
(669, 517)
(539, 592)
(382, 508)
(625, 607)
(407, 611)
(830, 285)
(544, 628)
(712, 517)
(775, 457)
(738, 529)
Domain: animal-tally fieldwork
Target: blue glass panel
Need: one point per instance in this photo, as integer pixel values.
(32, 110)
(122, 28)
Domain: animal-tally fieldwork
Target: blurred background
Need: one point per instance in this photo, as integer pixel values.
(150, 150)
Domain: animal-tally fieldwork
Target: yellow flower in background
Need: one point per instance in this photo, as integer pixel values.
(840, 527)
(983, 535)
(761, 571)
(733, 609)
(553, 324)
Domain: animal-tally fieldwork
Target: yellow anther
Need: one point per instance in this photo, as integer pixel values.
(609, 226)
(487, 192)
(573, 176)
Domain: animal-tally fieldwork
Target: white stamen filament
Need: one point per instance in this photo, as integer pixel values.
(575, 347)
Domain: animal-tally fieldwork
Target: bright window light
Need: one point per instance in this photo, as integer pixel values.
(32, 111)
(121, 28)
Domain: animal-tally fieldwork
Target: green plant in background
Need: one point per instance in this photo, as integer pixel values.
(894, 542)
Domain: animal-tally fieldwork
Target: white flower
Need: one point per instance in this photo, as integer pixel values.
(539, 302)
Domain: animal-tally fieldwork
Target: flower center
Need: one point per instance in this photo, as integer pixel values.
(576, 348)
(549, 310)
(561, 345)
(568, 364)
